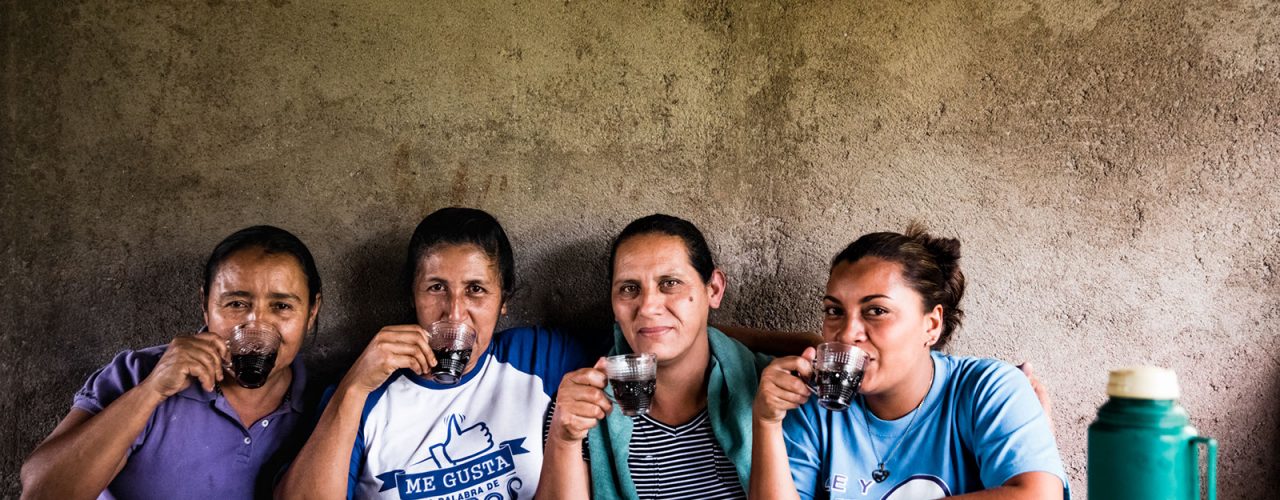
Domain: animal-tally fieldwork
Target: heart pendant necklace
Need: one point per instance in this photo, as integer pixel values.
(881, 474)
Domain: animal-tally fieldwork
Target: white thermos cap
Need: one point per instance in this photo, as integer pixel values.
(1143, 382)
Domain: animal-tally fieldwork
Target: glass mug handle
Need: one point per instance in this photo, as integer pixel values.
(1211, 465)
(226, 363)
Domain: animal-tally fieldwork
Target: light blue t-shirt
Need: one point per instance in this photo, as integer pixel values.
(979, 425)
(480, 438)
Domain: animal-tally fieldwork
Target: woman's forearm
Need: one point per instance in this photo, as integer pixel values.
(322, 466)
(81, 457)
(564, 472)
(1025, 486)
(770, 469)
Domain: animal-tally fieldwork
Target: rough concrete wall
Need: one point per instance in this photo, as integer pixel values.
(1111, 168)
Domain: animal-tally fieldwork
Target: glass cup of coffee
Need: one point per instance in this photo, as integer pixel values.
(451, 343)
(633, 377)
(253, 347)
(837, 373)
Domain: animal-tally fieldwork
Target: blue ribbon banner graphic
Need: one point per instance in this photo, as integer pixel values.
(457, 478)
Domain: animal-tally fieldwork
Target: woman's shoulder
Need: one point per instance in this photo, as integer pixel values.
(968, 370)
(986, 383)
(538, 350)
(125, 371)
(522, 338)
(133, 364)
(979, 377)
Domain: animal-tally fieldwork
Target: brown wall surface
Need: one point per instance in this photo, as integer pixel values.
(1111, 168)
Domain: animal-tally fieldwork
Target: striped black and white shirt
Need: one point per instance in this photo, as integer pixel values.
(684, 461)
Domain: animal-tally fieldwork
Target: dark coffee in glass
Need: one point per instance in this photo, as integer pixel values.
(633, 396)
(252, 369)
(634, 378)
(253, 347)
(451, 344)
(836, 388)
(450, 363)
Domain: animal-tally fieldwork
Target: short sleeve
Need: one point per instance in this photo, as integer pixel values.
(1009, 431)
(124, 372)
(801, 430)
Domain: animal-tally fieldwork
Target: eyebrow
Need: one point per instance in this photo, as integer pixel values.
(864, 300)
(272, 295)
(676, 273)
(469, 281)
(870, 298)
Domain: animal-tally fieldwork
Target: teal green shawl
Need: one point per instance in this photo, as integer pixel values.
(731, 388)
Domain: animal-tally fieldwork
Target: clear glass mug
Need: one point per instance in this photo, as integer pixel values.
(253, 347)
(451, 344)
(634, 378)
(837, 374)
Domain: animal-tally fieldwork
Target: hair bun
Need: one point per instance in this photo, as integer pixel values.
(946, 251)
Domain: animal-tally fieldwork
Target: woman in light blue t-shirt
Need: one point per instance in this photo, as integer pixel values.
(924, 424)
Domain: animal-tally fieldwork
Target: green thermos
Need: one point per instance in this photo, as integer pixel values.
(1142, 446)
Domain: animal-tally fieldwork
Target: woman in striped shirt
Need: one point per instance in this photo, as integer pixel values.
(695, 440)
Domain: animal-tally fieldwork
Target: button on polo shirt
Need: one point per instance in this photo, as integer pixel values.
(194, 445)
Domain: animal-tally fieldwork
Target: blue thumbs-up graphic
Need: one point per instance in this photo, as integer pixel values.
(461, 444)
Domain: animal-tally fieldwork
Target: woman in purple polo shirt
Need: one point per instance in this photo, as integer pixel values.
(165, 421)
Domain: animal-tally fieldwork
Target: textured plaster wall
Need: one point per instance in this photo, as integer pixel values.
(1111, 168)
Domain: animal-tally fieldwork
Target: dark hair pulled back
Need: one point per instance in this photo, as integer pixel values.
(930, 265)
(463, 226)
(269, 239)
(694, 242)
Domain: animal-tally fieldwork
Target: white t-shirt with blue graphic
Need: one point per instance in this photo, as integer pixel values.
(979, 425)
(480, 438)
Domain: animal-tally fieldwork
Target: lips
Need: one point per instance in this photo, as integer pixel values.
(650, 331)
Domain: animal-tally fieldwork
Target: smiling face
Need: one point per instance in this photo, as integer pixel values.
(870, 305)
(459, 283)
(253, 285)
(659, 300)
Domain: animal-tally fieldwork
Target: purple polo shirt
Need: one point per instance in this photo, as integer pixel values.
(194, 445)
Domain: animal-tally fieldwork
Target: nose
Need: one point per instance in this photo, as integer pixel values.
(457, 309)
(257, 311)
(651, 302)
(852, 332)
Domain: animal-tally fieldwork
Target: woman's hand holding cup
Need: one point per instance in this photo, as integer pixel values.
(580, 404)
(782, 387)
(393, 348)
(200, 357)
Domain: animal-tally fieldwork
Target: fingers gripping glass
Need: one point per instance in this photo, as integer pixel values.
(634, 377)
(451, 344)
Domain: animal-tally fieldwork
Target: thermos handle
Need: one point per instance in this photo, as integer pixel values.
(1211, 465)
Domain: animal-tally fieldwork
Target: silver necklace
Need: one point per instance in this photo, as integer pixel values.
(881, 474)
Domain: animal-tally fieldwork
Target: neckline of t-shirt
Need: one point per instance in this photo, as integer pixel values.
(481, 362)
(677, 430)
(894, 428)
